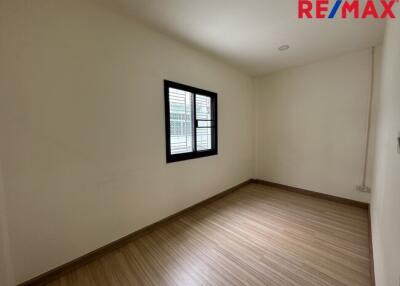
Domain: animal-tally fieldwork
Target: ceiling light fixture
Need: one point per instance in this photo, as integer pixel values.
(284, 48)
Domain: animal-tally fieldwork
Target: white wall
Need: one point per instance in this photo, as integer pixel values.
(385, 202)
(82, 132)
(82, 129)
(6, 274)
(312, 125)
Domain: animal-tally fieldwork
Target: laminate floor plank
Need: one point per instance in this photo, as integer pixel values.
(257, 235)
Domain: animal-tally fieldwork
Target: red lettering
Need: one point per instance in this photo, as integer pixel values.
(348, 8)
(351, 7)
(305, 7)
(322, 8)
(370, 10)
(387, 9)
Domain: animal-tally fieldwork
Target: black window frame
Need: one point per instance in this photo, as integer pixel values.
(171, 158)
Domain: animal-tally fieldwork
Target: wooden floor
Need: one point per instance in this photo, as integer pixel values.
(257, 235)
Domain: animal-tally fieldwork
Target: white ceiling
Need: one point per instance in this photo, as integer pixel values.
(247, 33)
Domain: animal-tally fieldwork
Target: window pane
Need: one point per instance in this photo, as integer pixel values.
(203, 107)
(205, 124)
(181, 121)
(203, 112)
(203, 139)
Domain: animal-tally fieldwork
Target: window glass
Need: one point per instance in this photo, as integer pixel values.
(181, 121)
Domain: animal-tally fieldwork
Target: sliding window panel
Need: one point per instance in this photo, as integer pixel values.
(204, 139)
(181, 121)
(204, 123)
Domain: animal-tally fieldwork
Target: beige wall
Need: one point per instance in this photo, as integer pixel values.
(311, 125)
(5, 262)
(82, 129)
(385, 202)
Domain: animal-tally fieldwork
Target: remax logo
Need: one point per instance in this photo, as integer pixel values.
(321, 9)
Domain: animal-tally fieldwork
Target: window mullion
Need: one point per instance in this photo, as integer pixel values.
(194, 124)
(214, 130)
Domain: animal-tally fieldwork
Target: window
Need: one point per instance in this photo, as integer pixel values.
(190, 122)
